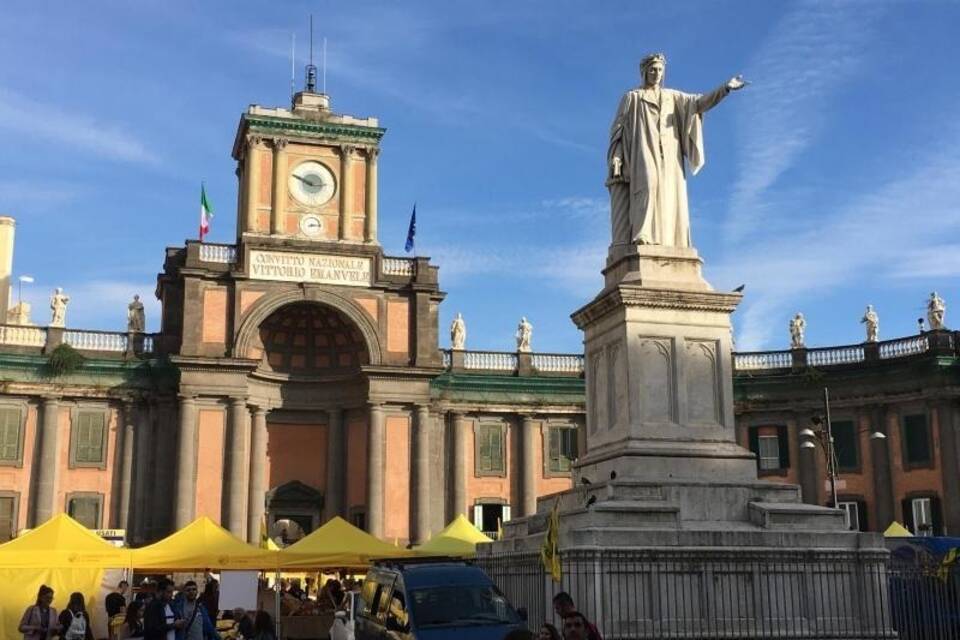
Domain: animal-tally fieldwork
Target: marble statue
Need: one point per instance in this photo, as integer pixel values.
(872, 322)
(524, 335)
(136, 319)
(936, 310)
(654, 132)
(458, 333)
(58, 305)
(797, 327)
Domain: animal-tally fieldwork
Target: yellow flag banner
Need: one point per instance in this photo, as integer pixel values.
(550, 552)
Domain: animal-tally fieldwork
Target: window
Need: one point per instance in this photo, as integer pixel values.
(359, 519)
(563, 448)
(85, 509)
(10, 436)
(489, 516)
(922, 516)
(769, 449)
(89, 439)
(851, 512)
(8, 516)
(489, 450)
(845, 444)
(916, 440)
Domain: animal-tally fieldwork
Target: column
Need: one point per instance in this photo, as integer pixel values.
(251, 173)
(238, 467)
(346, 188)
(885, 507)
(162, 518)
(125, 446)
(809, 471)
(458, 440)
(370, 230)
(279, 191)
(186, 462)
(46, 471)
(336, 464)
(421, 475)
(528, 466)
(950, 500)
(258, 458)
(144, 452)
(375, 471)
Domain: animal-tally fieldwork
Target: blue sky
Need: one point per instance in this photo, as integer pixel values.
(831, 182)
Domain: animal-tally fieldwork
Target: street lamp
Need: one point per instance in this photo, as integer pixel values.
(822, 434)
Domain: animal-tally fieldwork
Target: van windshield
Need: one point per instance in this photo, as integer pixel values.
(461, 605)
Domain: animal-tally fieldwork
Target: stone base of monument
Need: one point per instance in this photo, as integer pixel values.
(667, 531)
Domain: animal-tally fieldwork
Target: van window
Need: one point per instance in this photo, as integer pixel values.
(382, 599)
(398, 608)
(461, 604)
(374, 596)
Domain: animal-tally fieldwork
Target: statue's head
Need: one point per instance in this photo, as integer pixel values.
(652, 69)
(136, 297)
(58, 291)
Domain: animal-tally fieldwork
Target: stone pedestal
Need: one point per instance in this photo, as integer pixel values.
(664, 499)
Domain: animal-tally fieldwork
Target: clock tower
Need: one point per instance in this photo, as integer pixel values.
(307, 173)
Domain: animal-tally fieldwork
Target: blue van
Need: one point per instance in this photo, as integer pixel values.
(430, 599)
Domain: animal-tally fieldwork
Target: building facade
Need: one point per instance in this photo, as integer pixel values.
(298, 375)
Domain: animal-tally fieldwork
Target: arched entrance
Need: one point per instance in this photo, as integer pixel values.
(311, 358)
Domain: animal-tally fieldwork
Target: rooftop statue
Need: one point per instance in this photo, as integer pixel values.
(872, 320)
(654, 131)
(458, 333)
(798, 326)
(58, 307)
(524, 336)
(936, 310)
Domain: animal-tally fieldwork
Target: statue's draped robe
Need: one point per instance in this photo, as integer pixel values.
(653, 136)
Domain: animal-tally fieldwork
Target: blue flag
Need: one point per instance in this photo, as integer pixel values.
(412, 231)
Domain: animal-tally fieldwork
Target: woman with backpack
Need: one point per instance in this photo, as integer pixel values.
(39, 621)
(74, 619)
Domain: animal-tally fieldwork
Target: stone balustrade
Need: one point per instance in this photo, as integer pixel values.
(490, 360)
(557, 362)
(828, 356)
(397, 267)
(22, 336)
(903, 347)
(96, 340)
(762, 360)
(220, 253)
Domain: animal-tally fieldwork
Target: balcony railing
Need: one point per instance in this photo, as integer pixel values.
(829, 356)
(557, 362)
(397, 266)
(222, 253)
(490, 360)
(903, 347)
(96, 340)
(23, 336)
(762, 360)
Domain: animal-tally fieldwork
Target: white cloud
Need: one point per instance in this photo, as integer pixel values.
(28, 118)
(808, 56)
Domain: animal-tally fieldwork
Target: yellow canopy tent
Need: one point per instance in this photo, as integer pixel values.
(337, 544)
(897, 530)
(203, 544)
(459, 538)
(62, 554)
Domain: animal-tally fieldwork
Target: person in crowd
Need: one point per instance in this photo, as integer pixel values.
(116, 603)
(263, 628)
(243, 623)
(74, 619)
(39, 621)
(148, 591)
(336, 594)
(211, 597)
(308, 586)
(519, 634)
(160, 620)
(548, 632)
(575, 627)
(197, 624)
(132, 627)
(563, 606)
(295, 589)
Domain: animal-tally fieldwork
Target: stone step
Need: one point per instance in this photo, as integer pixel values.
(623, 513)
(796, 517)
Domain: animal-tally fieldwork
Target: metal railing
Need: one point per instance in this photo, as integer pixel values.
(23, 335)
(636, 593)
(397, 266)
(222, 253)
(760, 360)
(557, 362)
(490, 360)
(96, 340)
(827, 356)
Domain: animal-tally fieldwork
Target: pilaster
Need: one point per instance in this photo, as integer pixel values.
(370, 228)
(346, 189)
(279, 191)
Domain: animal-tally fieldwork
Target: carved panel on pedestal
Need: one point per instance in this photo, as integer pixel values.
(595, 405)
(616, 385)
(657, 381)
(703, 382)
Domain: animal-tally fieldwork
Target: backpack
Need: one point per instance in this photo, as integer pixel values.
(78, 627)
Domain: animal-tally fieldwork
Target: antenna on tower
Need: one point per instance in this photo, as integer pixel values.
(293, 64)
(311, 68)
(324, 66)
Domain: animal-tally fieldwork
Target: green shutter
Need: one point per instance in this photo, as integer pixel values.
(90, 437)
(845, 444)
(86, 511)
(7, 517)
(483, 449)
(916, 442)
(496, 449)
(9, 435)
(556, 463)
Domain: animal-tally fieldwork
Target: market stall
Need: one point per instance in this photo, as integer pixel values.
(459, 538)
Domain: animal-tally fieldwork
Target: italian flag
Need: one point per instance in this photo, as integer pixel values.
(206, 213)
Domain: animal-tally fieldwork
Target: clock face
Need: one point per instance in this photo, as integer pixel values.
(311, 225)
(312, 183)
